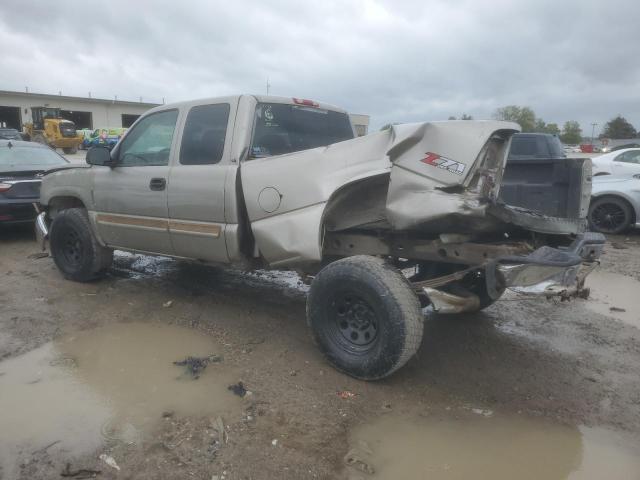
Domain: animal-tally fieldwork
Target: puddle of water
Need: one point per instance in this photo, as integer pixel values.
(475, 446)
(110, 383)
(614, 290)
(40, 403)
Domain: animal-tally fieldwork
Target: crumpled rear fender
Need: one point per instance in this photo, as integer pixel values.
(444, 169)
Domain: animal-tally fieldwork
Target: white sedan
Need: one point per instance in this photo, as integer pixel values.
(620, 163)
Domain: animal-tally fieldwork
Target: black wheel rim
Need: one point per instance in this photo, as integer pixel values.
(72, 248)
(355, 324)
(608, 217)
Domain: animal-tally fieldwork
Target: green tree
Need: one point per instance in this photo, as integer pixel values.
(540, 126)
(466, 117)
(524, 116)
(619, 127)
(571, 133)
(552, 128)
(452, 118)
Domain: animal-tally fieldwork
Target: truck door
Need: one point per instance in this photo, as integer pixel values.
(131, 198)
(198, 180)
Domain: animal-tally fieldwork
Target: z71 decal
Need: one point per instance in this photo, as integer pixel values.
(445, 163)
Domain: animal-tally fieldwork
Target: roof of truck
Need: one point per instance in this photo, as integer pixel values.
(259, 98)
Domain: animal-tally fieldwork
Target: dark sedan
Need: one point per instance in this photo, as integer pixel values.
(21, 167)
(10, 134)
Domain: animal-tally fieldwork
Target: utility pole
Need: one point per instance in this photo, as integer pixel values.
(268, 85)
(593, 127)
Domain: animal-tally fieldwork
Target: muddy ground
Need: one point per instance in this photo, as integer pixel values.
(522, 365)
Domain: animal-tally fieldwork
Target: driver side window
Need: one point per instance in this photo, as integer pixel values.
(149, 142)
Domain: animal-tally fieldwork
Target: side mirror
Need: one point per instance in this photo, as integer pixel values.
(100, 156)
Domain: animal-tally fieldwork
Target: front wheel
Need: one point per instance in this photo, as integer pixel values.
(74, 247)
(364, 317)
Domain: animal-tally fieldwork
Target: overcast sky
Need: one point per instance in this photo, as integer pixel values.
(398, 61)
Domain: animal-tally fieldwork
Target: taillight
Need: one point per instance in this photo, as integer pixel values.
(305, 102)
(5, 186)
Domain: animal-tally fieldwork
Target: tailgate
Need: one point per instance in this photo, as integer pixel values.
(555, 192)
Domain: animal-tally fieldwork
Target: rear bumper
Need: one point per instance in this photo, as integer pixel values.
(546, 271)
(17, 210)
(552, 264)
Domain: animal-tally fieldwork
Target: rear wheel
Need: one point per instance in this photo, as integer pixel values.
(610, 215)
(364, 317)
(74, 247)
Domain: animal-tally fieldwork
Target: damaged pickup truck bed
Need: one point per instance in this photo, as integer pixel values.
(385, 224)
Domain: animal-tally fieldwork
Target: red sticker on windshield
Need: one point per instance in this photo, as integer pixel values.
(445, 163)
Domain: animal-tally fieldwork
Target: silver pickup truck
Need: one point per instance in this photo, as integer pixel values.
(384, 225)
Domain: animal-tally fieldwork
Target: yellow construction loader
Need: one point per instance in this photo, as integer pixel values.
(49, 128)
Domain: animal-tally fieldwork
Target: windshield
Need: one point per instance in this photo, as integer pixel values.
(282, 128)
(28, 158)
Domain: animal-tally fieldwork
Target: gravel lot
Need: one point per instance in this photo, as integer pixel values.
(87, 369)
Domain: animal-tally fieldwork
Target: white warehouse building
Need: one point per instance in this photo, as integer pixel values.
(91, 113)
(15, 109)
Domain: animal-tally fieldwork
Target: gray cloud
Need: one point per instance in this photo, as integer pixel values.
(396, 60)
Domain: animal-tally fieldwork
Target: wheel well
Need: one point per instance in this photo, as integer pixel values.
(622, 199)
(357, 203)
(57, 204)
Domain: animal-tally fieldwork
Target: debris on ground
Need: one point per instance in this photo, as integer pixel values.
(167, 304)
(618, 246)
(274, 442)
(44, 449)
(109, 460)
(483, 412)
(617, 309)
(238, 389)
(80, 473)
(358, 458)
(35, 256)
(168, 414)
(346, 394)
(196, 365)
(218, 425)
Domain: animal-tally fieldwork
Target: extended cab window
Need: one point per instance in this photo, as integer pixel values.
(282, 128)
(149, 142)
(204, 134)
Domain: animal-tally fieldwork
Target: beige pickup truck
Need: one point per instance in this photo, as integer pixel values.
(385, 225)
